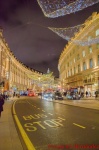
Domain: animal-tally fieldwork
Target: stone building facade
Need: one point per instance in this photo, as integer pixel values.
(79, 64)
(14, 76)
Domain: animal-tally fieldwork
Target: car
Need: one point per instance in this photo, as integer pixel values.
(68, 96)
(47, 96)
(58, 96)
(31, 93)
(73, 96)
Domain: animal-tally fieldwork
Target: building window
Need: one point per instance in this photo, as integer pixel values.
(71, 63)
(98, 59)
(83, 53)
(90, 49)
(91, 63)
(97, 32)
(71, 72)
(84, 66)
(68, 73)
(68, 64)
(74, 70)
(78, 68)
(78, 57)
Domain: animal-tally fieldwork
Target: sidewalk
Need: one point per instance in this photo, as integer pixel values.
(9, 139)
(89, 102)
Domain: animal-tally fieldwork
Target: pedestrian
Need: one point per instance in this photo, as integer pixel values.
(1, 104)
(86, 93)
(96, 94)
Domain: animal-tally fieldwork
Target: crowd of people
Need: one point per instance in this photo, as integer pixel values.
(79, 95)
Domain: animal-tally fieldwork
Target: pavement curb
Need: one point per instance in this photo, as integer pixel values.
(76, 105)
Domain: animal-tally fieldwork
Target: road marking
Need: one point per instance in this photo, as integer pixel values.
(23, 133)
(35, 116)
(61, 118)
(51, 124)
(79, 125)
(43, 110)
(30, 127)
(50, 114)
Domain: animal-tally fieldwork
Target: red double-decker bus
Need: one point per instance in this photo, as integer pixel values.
(31, 93)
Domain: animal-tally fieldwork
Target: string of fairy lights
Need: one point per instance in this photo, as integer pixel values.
(67, 33)
(56, 8)
(42, 80)
(87, 42)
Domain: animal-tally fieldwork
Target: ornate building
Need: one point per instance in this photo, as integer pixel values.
(14, 76)
(79, 61)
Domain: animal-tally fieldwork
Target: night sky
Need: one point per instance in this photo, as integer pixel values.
(25, 30)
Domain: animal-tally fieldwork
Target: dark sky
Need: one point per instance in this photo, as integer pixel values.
(25, 30)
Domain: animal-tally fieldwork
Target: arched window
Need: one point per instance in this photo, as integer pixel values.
(84, 66)
(78, 68)
(74, 70)
(98, 59)
(91, 63)
(97, 32)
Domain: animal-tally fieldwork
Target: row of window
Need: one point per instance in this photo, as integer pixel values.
(78, 56)
(78, 68)
(83, 53)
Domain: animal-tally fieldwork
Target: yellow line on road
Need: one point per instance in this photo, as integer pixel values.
(23, 133)
(79, 125)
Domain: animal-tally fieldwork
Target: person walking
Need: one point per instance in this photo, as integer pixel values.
(1, 104)
(86, 94)
(96, 95)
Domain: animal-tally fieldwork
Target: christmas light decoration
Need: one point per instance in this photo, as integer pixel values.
(67, 33)
(41, 80)
(56, 8)
(87, 42)
(71, 33)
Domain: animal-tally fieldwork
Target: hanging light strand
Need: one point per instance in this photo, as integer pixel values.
(56, 8)
(87, 42)
(67, 33)
(70, 33)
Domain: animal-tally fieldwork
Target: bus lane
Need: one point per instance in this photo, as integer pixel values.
(49, 125)
(38, 125)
